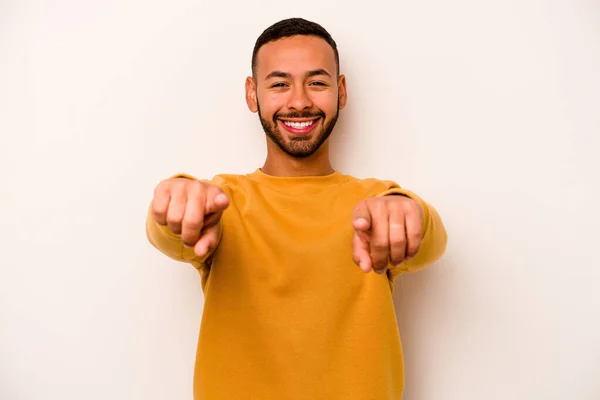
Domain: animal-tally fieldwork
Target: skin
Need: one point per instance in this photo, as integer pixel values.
(298, 93)
(295, 80)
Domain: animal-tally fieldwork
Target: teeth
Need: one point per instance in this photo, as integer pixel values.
(299, 125)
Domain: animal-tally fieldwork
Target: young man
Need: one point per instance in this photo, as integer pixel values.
(297, 260)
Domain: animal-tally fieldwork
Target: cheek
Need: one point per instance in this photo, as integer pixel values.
(270, 104)
(326, 102)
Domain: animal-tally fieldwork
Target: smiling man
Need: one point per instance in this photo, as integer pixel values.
(297, 260)
(307, 118)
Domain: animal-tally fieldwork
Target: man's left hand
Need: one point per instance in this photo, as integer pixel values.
(388, 229)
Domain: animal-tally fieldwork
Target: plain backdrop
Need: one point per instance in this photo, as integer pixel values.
(489, 110)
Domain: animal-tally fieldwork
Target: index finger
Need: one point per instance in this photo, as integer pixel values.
(361, 217)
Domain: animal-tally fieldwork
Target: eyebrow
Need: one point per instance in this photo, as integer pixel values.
(287, 75)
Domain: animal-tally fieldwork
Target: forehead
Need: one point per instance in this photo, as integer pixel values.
(296, 55)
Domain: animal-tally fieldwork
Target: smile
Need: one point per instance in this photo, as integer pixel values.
(299, 125)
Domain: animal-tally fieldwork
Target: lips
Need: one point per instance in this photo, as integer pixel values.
(299, 127)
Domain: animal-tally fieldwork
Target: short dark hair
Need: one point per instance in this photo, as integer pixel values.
(293, 27)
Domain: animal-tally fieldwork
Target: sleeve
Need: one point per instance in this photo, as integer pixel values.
(435, 237)
(170, 244)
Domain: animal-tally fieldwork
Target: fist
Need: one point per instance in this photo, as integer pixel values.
(387, 230)
(192, 209)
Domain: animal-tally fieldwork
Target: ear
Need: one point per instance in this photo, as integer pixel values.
(251, 94)
(342, 94)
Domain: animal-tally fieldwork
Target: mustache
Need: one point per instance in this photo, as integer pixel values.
(304, 114)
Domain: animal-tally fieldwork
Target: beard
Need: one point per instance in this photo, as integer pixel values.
(299, 146)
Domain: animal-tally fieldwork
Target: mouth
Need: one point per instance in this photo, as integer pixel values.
(299, 126)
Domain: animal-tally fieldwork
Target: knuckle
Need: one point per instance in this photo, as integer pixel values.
(399, 252)
(413, 204)
(398, 241)
(415, 236)
(378, 206)
(175, 191)
(361, 205)
(204, 184)
(379, 246)
(191, 189)
(207, 243)
(414, 207)
(211, 242)
(198, 192)
(380, 242)
(416, 230)
(192, 223)
(414, 249)
(158, 211)
(198, 186)
(160, 218)
(162, 187)
(379, 255)
(380, 271)
(173, 219)
(394, 202)
(396, 261)
(187, 241)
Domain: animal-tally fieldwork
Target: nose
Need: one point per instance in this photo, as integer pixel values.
(299, 99)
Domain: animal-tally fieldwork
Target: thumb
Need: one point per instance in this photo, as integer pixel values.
(216, 201)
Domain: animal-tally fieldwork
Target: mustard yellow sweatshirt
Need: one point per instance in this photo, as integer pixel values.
(287, 314)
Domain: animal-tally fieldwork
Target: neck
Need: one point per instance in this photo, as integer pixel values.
(278, 163)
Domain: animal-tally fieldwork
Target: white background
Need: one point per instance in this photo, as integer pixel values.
(489, 110)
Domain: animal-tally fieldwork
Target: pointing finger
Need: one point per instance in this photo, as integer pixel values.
(208, 240)
(361, 217)
(360, 253)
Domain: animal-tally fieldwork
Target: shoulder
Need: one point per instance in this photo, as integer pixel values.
(231, 180)
(371, 185)
(235, 185)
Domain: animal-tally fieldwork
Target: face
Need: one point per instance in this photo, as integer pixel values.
(297, 93)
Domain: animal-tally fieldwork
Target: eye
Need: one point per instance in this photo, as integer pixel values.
(317, 83)
(278, 85)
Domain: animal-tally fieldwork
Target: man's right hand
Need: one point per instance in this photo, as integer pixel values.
(192, 209)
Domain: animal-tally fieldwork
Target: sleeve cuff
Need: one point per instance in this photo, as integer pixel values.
(183, 175)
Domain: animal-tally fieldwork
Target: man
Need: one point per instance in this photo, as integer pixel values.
(297, 260)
